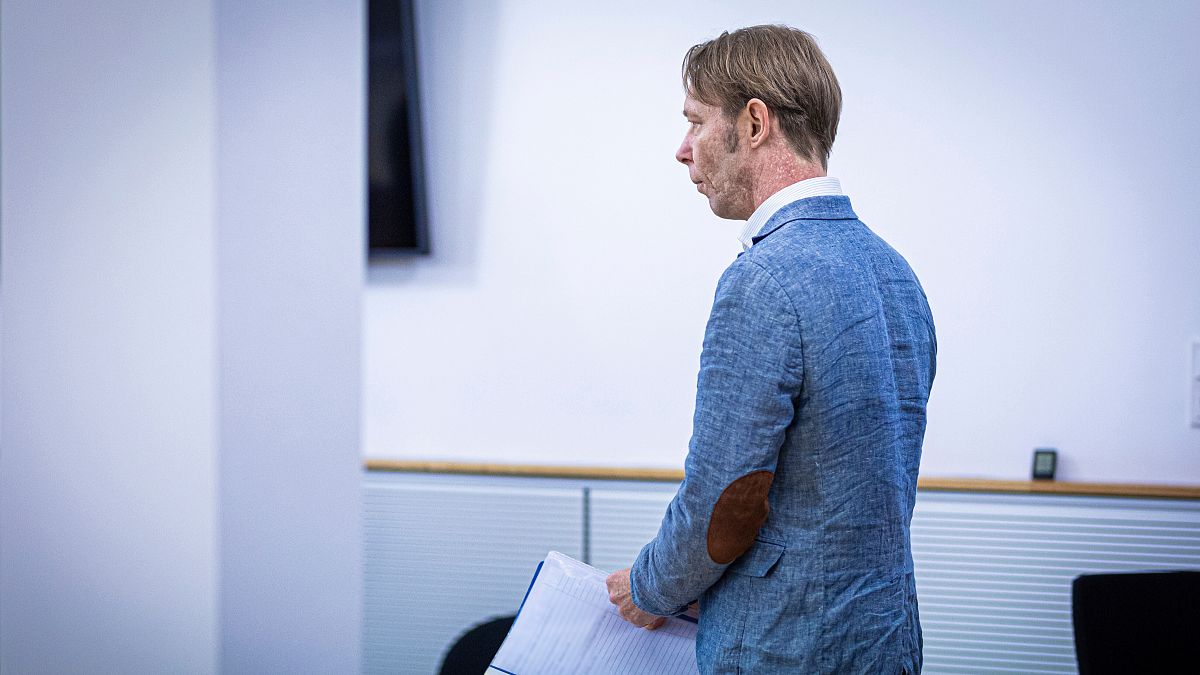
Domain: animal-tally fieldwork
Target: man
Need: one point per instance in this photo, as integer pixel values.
(791, 526)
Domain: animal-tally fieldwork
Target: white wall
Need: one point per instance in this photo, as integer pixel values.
(1034, 162)
(181, 274)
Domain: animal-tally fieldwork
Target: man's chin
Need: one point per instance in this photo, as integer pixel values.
(722, 210)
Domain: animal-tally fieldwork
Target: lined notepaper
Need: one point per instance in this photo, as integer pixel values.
(567, 625)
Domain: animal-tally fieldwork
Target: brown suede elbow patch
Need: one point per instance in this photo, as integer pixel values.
(737, 516)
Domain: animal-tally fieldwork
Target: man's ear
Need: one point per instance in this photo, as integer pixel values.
(758, 118)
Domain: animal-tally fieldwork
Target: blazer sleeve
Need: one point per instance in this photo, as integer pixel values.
(751, 371)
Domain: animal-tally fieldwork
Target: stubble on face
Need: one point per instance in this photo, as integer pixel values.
(732, 195)
(713, 151)
(731, 138)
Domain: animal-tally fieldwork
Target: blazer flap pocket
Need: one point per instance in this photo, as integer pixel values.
(759, 560)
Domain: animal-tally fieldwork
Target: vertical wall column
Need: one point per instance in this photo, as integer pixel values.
(289, 283)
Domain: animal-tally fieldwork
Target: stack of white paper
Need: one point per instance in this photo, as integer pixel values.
(567, 625)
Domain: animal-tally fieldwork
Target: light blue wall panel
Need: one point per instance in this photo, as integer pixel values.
(994, 572)
(622, 520)
(442, 555)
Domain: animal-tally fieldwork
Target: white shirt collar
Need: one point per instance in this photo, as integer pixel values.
(822, 186)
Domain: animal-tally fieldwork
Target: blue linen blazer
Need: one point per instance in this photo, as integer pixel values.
(791, 525)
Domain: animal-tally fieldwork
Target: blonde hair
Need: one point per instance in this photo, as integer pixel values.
(782, 67)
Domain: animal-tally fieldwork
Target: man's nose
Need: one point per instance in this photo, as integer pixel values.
(684, 154)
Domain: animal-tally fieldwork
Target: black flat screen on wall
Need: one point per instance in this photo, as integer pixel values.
(396, 221)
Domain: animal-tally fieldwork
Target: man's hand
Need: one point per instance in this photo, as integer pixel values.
(620, 595)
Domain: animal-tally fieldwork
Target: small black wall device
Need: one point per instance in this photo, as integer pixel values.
(1045, 463)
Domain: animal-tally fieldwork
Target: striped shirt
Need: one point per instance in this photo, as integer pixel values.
(823, 186)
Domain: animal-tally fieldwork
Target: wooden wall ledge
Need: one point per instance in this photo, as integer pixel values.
(675, 475)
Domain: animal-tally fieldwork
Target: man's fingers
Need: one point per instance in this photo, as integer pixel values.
(619, 595)
(637, 617)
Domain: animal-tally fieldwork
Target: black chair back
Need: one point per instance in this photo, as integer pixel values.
(473, 652)
(1137, 623)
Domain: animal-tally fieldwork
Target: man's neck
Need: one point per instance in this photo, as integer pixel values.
(817, 186)
(779, 172)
